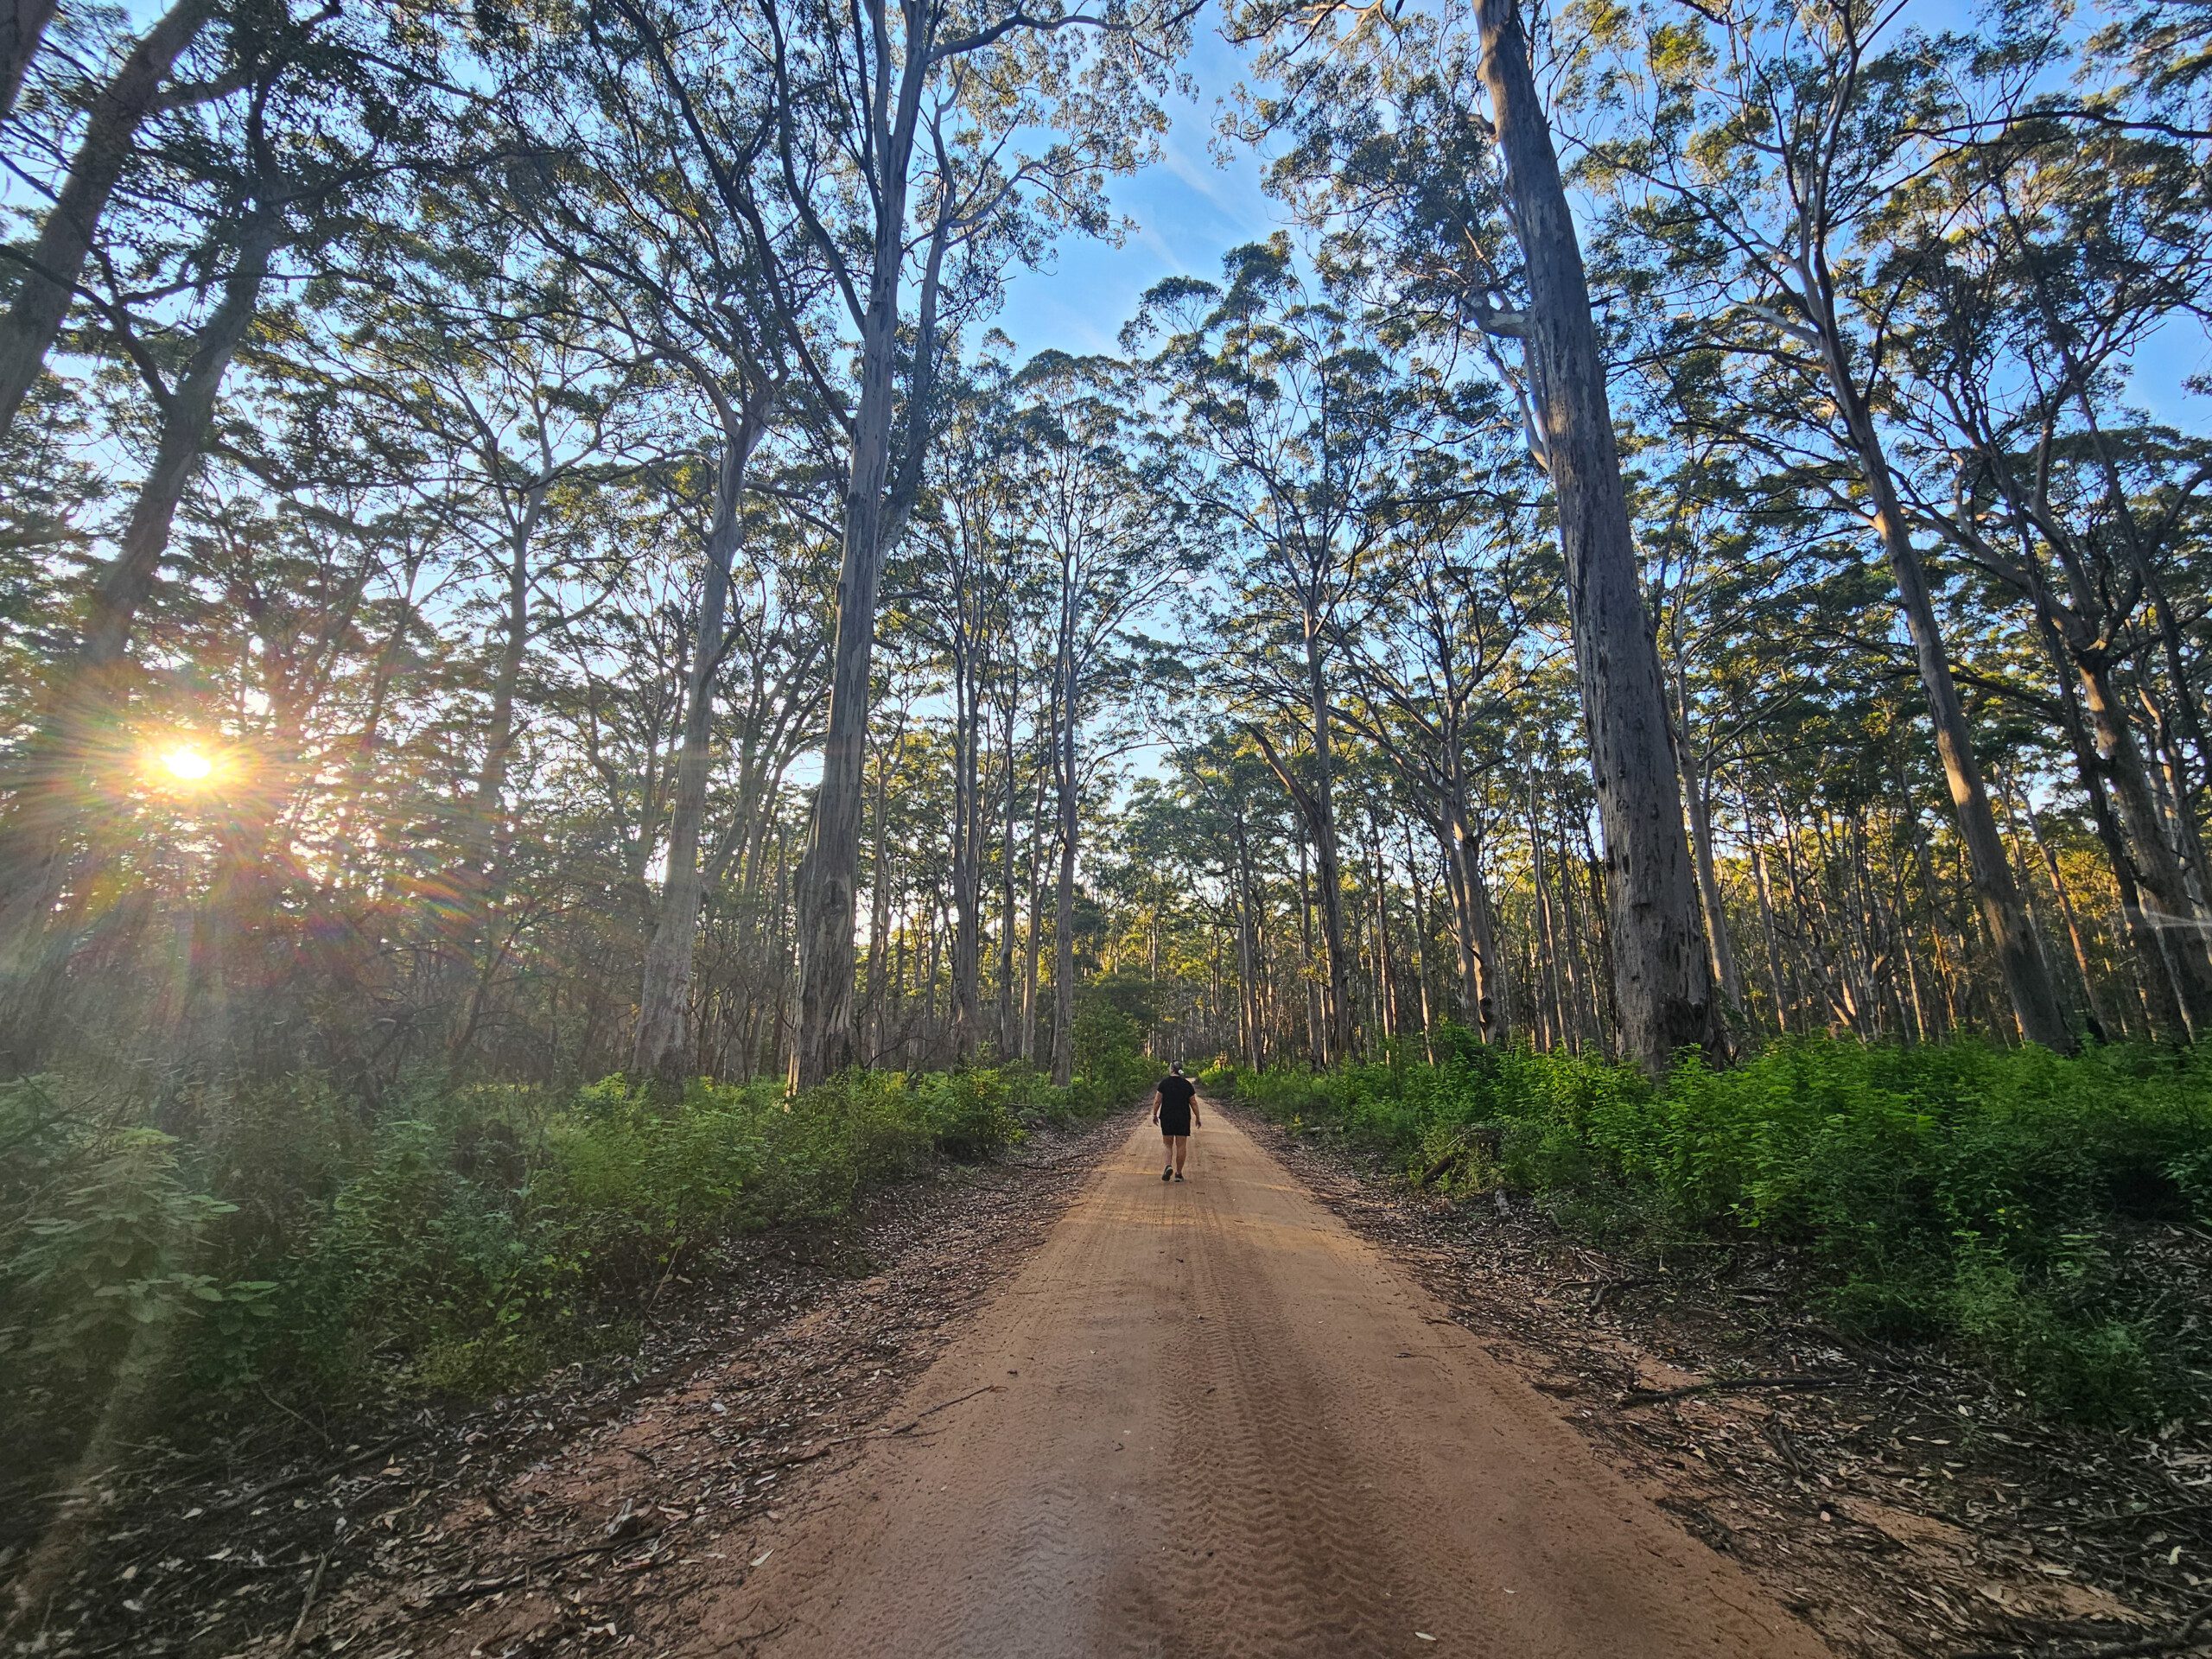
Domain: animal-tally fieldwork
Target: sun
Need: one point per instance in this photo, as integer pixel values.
(183, 764)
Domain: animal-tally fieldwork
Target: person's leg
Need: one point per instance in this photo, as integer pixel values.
(1167, 1168)
(1182, 1144)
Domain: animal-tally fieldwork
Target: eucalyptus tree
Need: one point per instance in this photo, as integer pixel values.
(2029, 271)
(652, 193)
(1223, 799)
(1114, 535)
(237, 188)
(1769, 142)
(972, 565)
(137, 100)
(22, 28)
(919, 142)
(1393, 143)
(518, 417)
(1294, 410)
(1434, 640)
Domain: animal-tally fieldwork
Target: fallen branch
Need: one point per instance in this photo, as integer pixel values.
(1807, 1384)
(301, 1478)
(1614, 1287)
(307, 1607)
(1474, 1135)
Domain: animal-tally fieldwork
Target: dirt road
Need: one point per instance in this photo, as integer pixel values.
(1219, 1423)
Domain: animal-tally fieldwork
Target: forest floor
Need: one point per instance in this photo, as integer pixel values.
(1055, 1405)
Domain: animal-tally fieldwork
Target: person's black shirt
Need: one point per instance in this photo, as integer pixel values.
(1177, 1090)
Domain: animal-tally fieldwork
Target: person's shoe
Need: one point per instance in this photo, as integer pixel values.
(1167, 1173)
(1179, 1174)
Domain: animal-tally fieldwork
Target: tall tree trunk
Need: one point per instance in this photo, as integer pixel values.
(879, 898)
(476, 857)
(1317, 1041)
(65, 238)
(2155, 863)
(2004, 913)
(22, 25)
(1553, 1006)
(2027, 810)
(1009, 898)
(1697, 797)
(1328, 874)
(1063, 907)
(1386, 965)
(486, 800)
(1664, 987)
(1766, 923)
(663, 1048)
(1249, 948)
(1420, 949)
(823, 1045)
(967, 865)
(1478, 951)
(2160, 980)
(1036, 940)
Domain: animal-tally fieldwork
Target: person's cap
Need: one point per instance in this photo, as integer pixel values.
(1177, 1068)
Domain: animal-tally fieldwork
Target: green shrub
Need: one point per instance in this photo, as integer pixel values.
(461, 1240)
(1111, 1069)
(288, 1239)
(2002, 1201)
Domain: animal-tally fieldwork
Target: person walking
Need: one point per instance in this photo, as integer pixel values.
(1175, 1108)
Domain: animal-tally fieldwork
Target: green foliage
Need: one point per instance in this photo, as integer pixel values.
(2009, 1202)
(99, 1232)
(463, 1244)
(1111, 1069)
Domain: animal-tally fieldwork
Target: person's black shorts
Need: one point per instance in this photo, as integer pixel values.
(1174, 1120)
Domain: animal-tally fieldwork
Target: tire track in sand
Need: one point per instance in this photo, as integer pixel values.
(1224, 1425)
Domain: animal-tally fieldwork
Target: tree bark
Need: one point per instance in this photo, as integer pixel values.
(1664, 987)
(2026, 975)
(967, 864)
(824, 1043)
(1009, 899)
(1063, 907)
(1697, 799)
(663, 1050)
(22, 25)
(1774, 987)
(2161, 999)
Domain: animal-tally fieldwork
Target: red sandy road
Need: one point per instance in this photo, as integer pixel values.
(1221, 1424)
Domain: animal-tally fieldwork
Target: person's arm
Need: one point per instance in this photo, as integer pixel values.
(1155, 1105)
(1195, 1121)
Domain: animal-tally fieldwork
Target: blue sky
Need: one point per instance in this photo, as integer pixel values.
(1189, 212)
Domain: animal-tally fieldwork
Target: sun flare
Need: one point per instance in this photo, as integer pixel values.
(185, 764)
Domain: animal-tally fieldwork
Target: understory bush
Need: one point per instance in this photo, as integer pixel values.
(2031, 1211)
(283, 1241)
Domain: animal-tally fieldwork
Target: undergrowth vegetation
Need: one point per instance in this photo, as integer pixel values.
(288, 1242)
(2042, 1217)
